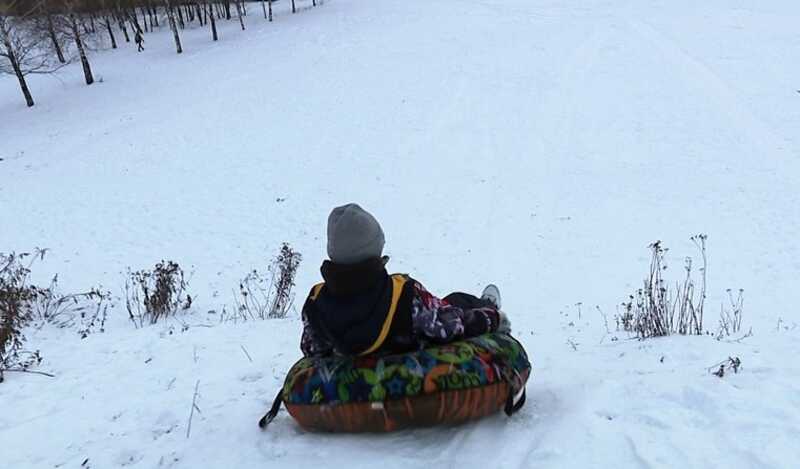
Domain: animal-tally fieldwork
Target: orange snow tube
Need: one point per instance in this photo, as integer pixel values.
(447, 384)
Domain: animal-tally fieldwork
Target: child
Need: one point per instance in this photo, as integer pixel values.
(360, 309)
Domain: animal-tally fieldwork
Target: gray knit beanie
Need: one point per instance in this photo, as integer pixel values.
(353, 235)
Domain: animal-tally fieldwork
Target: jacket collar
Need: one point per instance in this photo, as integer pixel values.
(350, 279)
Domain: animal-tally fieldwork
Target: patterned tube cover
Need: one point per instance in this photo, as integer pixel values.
(469, 363)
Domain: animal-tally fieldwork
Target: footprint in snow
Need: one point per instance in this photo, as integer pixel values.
(169, 460)
(166, 423)
(251, 377)
(128, 457)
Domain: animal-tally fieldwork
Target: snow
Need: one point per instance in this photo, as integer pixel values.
(538, 145)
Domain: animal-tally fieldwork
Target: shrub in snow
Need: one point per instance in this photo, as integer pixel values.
(269, 296)
(88, 310)
(16, 299)
(284, 267)
(152, 295)
(656, 309)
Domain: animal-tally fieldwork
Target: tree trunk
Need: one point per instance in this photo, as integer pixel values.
(269, 2)
(173, 26)
(213, 23)
(199, 14)
(294, 10)
(239, 11)
(23, 85)
(264, 7)
(12, 57)
(51, 31)
(144, 19)
(111, 33)
(87, 70)
(135, 20)
(227, 9)
(181, 23)
(124, 29)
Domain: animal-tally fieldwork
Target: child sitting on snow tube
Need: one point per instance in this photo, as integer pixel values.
(362, 311)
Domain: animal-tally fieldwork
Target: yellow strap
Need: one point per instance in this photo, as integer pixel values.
(398, 281)
(316, 290)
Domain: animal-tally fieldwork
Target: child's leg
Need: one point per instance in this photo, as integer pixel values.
(467, 301)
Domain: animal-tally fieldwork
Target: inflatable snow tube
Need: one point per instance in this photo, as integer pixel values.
(445, 384)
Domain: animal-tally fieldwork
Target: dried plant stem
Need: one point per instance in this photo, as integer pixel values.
(194, 406)
(33, 372)
(246, 354)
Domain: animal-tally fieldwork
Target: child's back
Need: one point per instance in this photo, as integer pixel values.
(360, 309)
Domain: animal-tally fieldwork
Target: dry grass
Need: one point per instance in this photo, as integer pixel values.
(268, 296)
(16, 299)
(153, 295)
(656, 309)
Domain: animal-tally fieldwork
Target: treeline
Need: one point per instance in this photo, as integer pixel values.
(41, 36)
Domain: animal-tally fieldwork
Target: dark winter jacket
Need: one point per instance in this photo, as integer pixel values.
(360, 309)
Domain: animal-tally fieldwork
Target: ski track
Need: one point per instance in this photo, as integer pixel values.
(713, 86)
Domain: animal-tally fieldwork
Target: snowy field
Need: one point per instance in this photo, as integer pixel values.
(540, 145)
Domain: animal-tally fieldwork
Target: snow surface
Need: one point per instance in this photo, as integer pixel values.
(539, 145)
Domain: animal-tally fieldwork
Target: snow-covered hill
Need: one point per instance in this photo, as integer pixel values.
(540, 145)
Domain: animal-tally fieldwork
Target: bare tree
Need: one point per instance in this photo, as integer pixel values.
(213, 22)
(199, 12)
(106, 16)
(181, 23)
(144, 19)
(22, 50)
(173, 25)
(107, 23)
(239, 13)
(48, 25)
(153, 12)
(131, 14)
(121, 22)
(73, 20)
